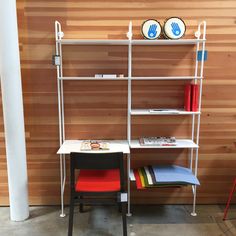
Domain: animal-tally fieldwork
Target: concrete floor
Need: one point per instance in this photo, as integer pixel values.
(146, 220)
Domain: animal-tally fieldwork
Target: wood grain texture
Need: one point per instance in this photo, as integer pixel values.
(99, 109)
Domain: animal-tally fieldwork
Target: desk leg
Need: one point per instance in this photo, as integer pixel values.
(194, 201)
(128, 183)
(63, 180)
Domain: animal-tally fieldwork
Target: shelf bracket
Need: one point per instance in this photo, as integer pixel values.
(56, 60)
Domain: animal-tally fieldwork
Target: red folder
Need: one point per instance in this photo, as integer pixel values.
(195, 96)
(187, 97)
(138, 180)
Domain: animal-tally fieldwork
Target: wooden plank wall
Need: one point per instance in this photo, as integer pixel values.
(98, 109)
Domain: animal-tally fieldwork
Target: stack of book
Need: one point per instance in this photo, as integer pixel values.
(163, 176)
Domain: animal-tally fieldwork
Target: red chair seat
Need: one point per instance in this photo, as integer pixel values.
(98, 181)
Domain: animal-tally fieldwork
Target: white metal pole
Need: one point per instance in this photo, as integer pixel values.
(13, 112)
(129, 35)
(58, 36)
(199, 109)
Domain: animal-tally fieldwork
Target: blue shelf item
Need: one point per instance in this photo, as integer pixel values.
(173, 173)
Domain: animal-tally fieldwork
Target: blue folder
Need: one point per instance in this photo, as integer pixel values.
(173, 173)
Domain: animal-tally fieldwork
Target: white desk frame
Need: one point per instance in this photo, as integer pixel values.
(69, 146)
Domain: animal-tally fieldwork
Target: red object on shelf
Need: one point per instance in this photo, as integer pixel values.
(187, 97)
(138, 180)
(194, 97)
(229, 199)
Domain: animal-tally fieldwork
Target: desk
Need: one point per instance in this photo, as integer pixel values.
(74, 146)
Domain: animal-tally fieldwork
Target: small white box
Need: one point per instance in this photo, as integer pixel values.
(109, 76)
(98, 75)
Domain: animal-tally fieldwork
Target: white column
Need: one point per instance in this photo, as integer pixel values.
(13, 111)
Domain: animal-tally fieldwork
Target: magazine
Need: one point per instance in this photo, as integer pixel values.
(157, 141)
(89, 145)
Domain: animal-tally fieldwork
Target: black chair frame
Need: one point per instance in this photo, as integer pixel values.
(97, 161)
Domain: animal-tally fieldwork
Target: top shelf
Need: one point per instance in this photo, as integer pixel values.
(167, 42)
(126, 42)
(93, 41)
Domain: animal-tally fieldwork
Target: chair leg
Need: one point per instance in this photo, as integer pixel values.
(123, 207)
(229, 200)
(71, 216)
(81, 210)
(120, 207)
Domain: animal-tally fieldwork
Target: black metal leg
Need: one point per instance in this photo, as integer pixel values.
(71, 216)
(119, 207)
(81, 210)
(123, 206)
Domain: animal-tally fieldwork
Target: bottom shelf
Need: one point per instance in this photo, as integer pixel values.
(148, 177)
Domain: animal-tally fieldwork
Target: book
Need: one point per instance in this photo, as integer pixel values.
(194, 97)
(149, 177)
(98, 75)
(131, 175)
(142, 180)
(90, 145)
(152, 174)
(171, 174)
(164, 110)
(187, 97)
(109, 76)
(157, 141)
(138, 180)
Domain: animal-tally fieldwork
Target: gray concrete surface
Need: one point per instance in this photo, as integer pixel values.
(146, 221)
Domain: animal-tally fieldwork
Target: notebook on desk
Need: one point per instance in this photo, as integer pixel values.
(90, 145)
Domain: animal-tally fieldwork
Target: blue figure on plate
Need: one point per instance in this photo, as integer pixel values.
(152, 32)
(175, 29)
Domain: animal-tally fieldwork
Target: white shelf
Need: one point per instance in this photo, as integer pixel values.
(167, 42)
(69, 146)
(166, 78)
(147, 112)
(180, 143)
(91, 78)
(132, 78)
(126, 42)
(93, 41)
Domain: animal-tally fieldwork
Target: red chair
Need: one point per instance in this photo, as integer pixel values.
(229, 199)
(101, 179)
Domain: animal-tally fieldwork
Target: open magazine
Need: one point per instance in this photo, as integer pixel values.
(89, 145)
(157, 141)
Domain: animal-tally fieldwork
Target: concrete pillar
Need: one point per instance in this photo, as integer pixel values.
(13, 111)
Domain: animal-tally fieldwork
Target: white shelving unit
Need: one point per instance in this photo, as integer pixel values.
(192, 144)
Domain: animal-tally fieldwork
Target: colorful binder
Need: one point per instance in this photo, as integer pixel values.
(138, 180)
(187, 97)
(195, 95)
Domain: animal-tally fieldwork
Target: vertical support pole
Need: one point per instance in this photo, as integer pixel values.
(13, 112)
(194, 201)
(199, 109)
(128, 183)
(193, 116)
(58, 36)
(129, 35)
